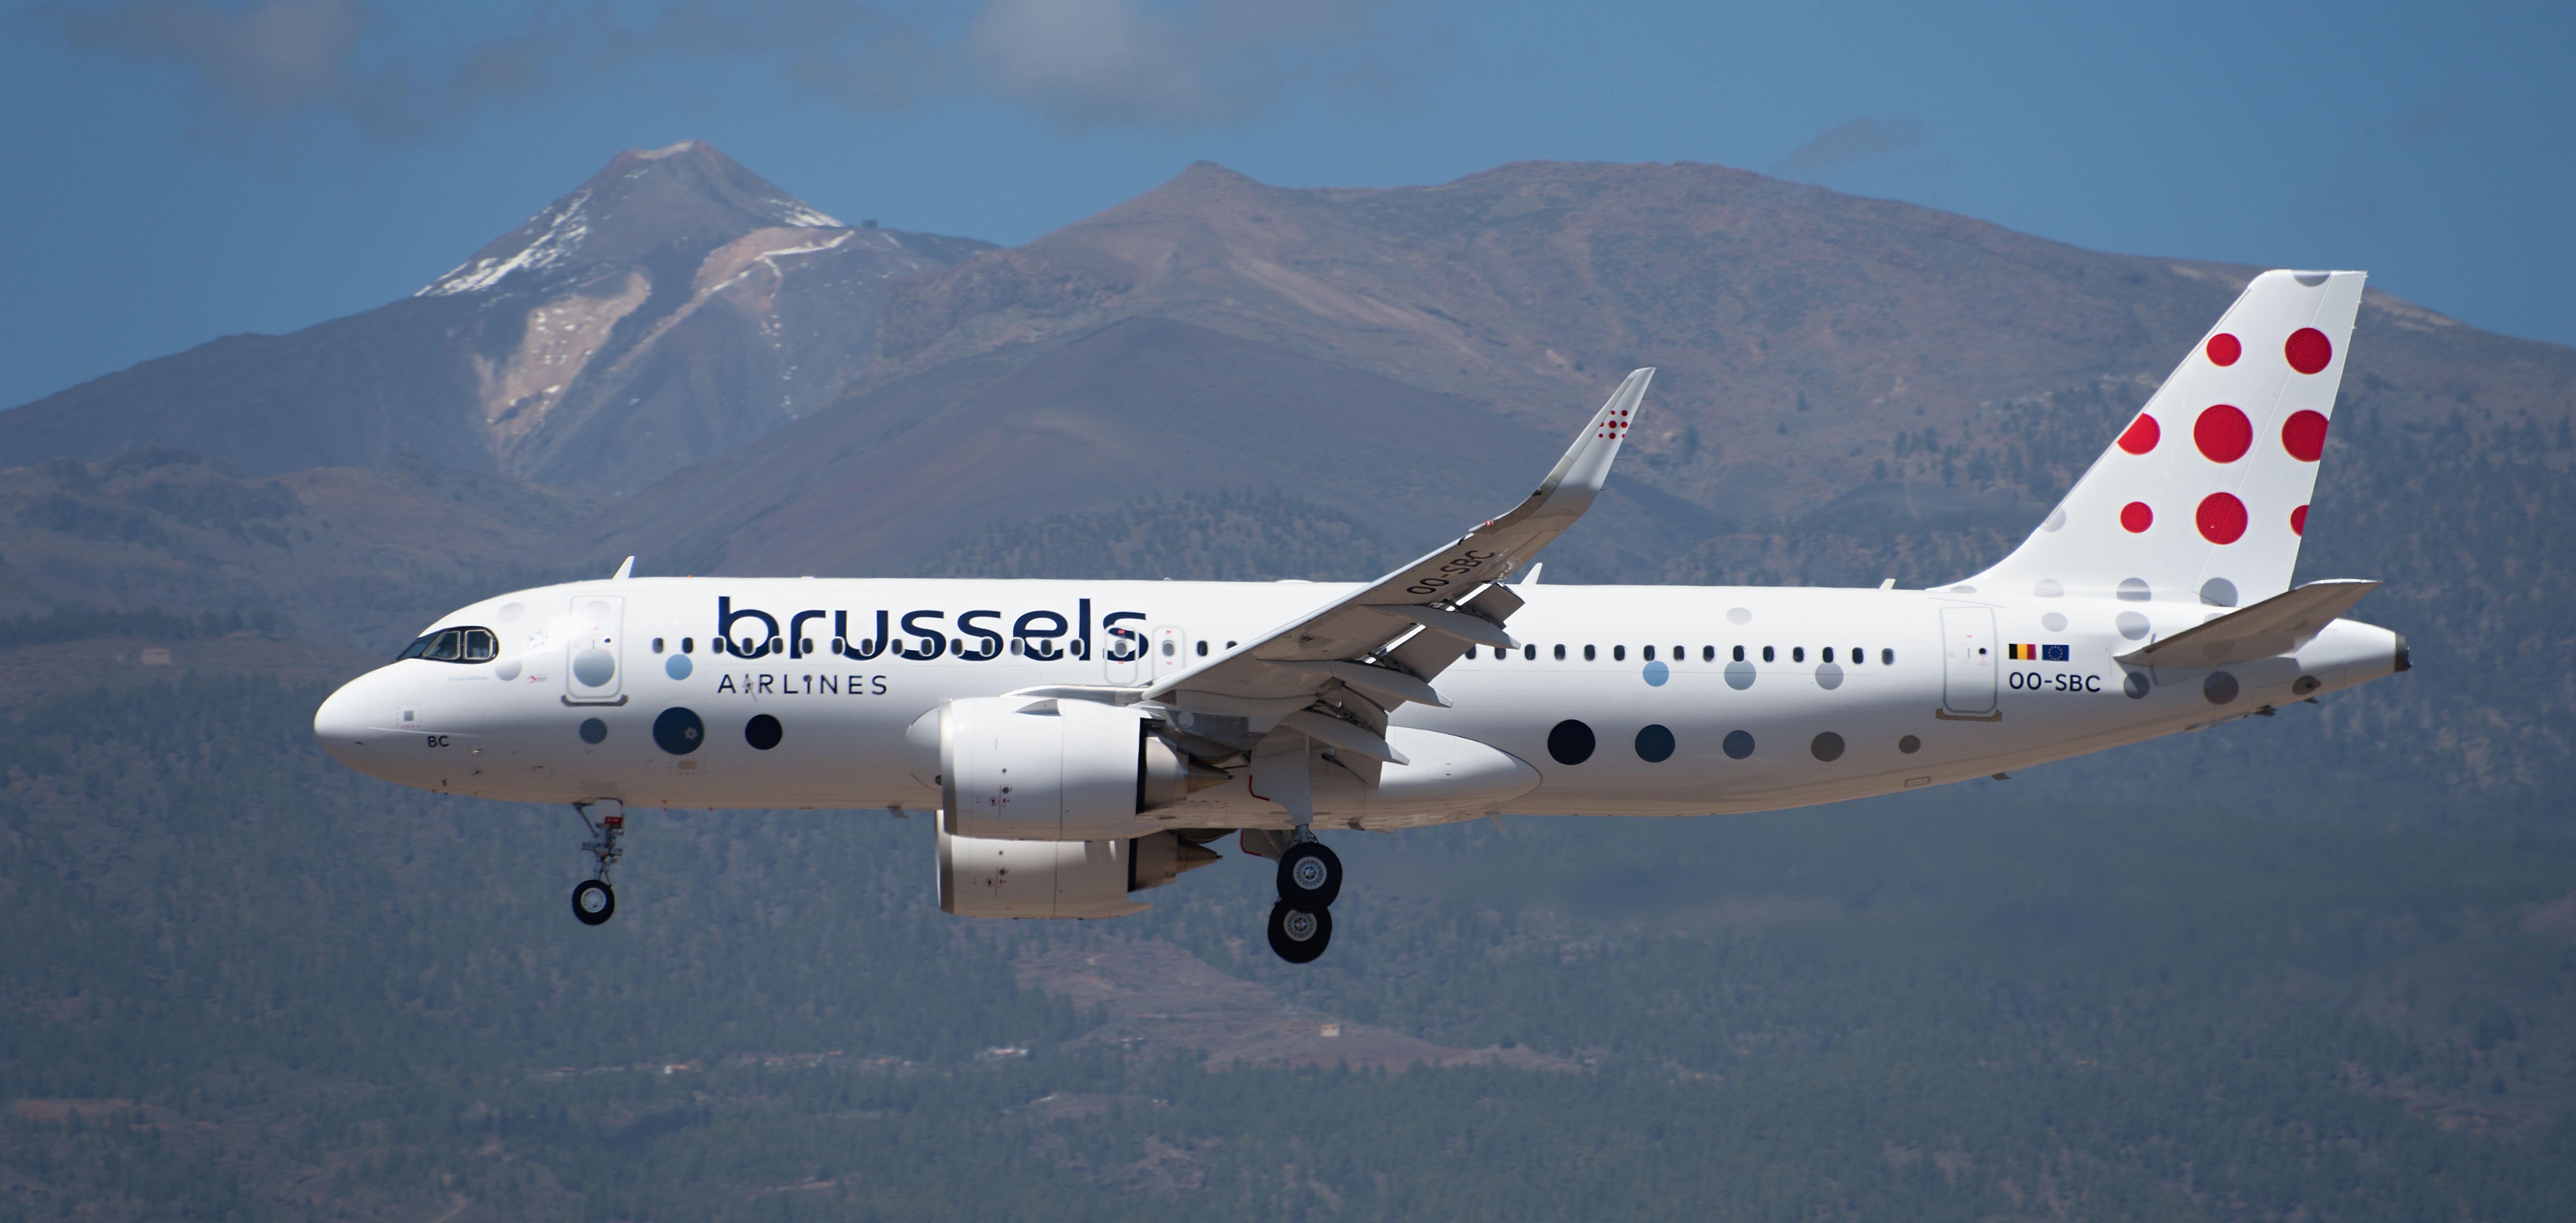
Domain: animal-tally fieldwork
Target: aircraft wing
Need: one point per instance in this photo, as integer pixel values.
(1332, 674)
(2281, 624)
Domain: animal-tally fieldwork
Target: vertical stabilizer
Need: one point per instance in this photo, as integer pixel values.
(2204, 495)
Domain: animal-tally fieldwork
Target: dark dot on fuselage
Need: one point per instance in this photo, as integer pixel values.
(593, 730)
(763, 732)
(1738, 744)
(1909, 745)
(678, 731)
(1655, 744)
(1570, 742)
(1827, 747)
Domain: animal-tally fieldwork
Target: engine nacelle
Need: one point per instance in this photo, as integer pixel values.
(982, 877)
(1047, 769)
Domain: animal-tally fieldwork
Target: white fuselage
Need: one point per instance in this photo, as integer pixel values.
(1841, 693)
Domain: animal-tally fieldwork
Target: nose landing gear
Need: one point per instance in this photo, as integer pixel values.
(1310, 878)
(593, 900)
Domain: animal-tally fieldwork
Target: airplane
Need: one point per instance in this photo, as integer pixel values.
(1085, 741)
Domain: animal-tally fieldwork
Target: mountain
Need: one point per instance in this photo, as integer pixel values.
(673, 307)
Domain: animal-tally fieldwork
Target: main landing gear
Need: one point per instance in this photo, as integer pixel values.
(593, 901)
(1310, 877)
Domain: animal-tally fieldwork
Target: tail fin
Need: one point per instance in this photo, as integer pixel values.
(2205, 494)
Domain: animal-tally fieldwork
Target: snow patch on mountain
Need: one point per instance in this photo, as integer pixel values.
(560, 239)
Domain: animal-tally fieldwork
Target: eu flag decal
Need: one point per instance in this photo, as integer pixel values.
(2052, 653)
(2036, 653)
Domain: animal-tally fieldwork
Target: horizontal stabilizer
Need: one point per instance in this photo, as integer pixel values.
(2277, 625)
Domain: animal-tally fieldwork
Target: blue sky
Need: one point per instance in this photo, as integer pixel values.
(184, 169)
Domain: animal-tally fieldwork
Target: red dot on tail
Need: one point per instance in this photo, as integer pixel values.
(2221, 518)
(2223, 433)
(2142, 435)
(2137, 517)
(2299, 521)
(2304, 435)
(2223, 349)
(2308, 350)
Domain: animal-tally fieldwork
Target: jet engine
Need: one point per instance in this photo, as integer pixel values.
(983, 877)
(1014, 768)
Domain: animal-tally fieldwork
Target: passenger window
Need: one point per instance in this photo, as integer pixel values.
(688, 645)
(1529, 653)
(1766, 654)
(1798, 653)
(1588, 655)
(1650, 653)
(1888, 657)
(1560, 653)
(1859, 655)
(1829, 653)
(1708, 653)
(1202, 649)
(657, 645)
(1739, 653)
(1619, 653)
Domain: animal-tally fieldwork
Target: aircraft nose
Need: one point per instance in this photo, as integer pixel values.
(340, 726)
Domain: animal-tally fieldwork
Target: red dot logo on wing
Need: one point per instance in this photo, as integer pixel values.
(2221, 518)
(2308, 350)
(2136, 517)
(2299, 521)
(2142, 435)
(2223, 349)
(2304, 435)
(2223, 433)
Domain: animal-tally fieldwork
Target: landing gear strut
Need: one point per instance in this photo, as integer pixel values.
(593, 900)
(1310, 877)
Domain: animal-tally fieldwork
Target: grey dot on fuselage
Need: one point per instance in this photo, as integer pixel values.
(2049, 588)
(1827, 747)
(2134, 590)
(2056, 519)
(1739, 615)
(594, 667)
(2055, 622)
(2218, 592)
(2220, 688)
(1829, 676)
(1739, 675)
(2135, 685)
(2132, 625)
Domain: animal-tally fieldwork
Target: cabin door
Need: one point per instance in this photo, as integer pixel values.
(1968, 662)
(594, 649)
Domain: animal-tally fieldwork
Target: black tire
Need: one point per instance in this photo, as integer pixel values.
(593, 902)
(1300, 935)
(1310, 875)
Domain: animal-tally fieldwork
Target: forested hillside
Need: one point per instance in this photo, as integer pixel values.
(245, 983)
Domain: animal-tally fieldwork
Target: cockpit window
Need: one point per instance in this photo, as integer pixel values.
(453, 645)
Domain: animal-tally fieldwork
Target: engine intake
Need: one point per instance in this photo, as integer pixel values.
(1013, 768)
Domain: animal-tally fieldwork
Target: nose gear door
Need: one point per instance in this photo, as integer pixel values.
(1968, 660)
(594, 653)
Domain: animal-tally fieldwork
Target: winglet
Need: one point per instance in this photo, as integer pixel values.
(624, 571)
(1571, 485)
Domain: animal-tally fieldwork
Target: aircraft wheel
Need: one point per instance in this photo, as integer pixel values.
(1310, 875)
(1300, 935)
(593, 902)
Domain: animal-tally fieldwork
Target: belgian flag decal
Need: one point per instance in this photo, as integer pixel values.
(2036, 653)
